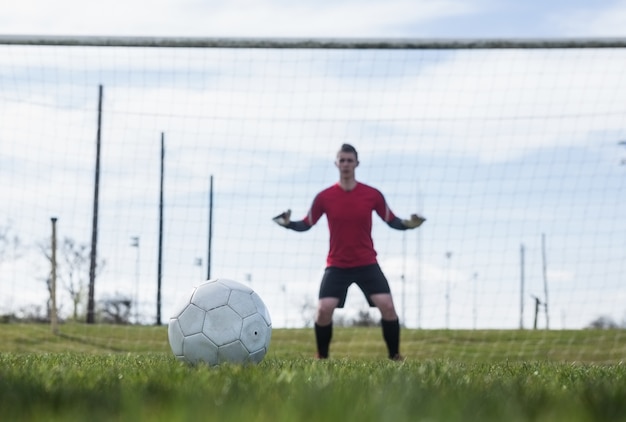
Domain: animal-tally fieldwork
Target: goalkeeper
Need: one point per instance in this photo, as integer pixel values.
(348, 206)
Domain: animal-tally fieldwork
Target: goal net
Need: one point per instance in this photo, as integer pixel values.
(514, 151)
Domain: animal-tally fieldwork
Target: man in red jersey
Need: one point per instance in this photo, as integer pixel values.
(348, 206)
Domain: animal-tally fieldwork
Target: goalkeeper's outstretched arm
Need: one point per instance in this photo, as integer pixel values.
(414, 222)
(284, 220)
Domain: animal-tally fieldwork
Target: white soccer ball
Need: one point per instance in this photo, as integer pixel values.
(222, 321)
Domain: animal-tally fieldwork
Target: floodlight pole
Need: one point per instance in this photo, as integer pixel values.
(91, 304)
(420, 206)
(135, 244)
(53, 279)
(283, 288)
(160, 260)
(521, 310)
(545, 279)
(448, 256)
(210, 235)
(403, 278)
(475, 300)
(198, 262)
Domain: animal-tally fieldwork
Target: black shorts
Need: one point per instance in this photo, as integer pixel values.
(369, 278)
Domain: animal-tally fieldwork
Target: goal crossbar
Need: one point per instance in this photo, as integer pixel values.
(312, 43)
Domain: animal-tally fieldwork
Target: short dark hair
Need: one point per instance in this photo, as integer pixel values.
(349, 148)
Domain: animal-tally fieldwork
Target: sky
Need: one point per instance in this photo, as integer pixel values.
(356, 18)
(501, 151)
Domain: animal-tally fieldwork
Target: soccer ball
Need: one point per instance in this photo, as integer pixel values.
(222, 321)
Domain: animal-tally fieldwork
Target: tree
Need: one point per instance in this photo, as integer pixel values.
(10, 248)
(116, 310)
(72, 269)
(307, 310)
(603, 322)
(9, 241)
(75, 258)
(364, 319)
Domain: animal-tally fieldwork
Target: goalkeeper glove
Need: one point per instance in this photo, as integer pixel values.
(414, 222)
(283, 219)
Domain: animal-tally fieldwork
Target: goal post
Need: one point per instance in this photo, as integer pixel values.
(497, 142)
(313, 43)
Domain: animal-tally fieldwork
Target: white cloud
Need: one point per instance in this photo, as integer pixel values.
(269, 18)
(333, 19)
(603, 19)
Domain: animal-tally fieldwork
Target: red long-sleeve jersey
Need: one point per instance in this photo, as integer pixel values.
(349, 215)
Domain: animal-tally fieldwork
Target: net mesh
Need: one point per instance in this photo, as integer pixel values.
(513, 155)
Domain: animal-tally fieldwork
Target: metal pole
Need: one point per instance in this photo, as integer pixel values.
(91, 305)
(283, 288)
(403, 278)
(521, 310)
(537, 304)
(53, 281)
(545, 279)
(135, 244)
(448, 256)
(475, 310)
(420, 206)
(315, 43)
(160, 260)
(208, 260)
(198, 262)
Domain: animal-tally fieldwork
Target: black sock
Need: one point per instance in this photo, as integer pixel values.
(391, 334)
(323, 335)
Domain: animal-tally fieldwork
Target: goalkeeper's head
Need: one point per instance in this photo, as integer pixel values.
(347, 160)
(349, 148)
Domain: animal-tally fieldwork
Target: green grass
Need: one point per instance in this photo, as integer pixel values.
(104, 373)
